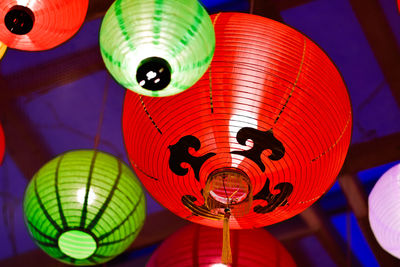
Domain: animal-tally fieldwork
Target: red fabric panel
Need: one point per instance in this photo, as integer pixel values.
(2, 144)
(264, 76)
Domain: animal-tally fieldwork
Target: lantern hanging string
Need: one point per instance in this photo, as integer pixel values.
(102, 111)
(348, 230)
(226, 257)
(251, 6)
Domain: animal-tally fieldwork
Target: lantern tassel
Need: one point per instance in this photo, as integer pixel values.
(226, 257)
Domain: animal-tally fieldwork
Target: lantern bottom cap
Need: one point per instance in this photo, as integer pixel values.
(77, 244)
(228, 185)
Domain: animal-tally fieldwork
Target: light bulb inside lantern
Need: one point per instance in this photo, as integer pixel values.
(81, 196)
(219, 265)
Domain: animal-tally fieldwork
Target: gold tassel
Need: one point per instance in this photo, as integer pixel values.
(226, 257)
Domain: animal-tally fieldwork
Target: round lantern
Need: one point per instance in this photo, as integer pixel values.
(196, 245)
(84, 207)
(40, 24)
(384, 211)
(2, 144)
(263, 133)
(3, 49)
(157, 48)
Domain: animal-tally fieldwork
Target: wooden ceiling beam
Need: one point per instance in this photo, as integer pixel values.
(358, 202)
(282, 5)
(25, 146)
(373, 153)
(97, 9)
(328, 236)
(381, 39)
(46, 76)
(266, 8)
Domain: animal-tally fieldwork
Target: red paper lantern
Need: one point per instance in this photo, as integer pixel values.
(2, 144)
(40, 24)
(270, 121)
(201, 246)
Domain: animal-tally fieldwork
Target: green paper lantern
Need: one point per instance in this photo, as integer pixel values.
(157, 47)
(84, 207)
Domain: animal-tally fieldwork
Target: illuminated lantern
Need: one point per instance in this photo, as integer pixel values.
(196, 245)
(157, 48)
(3, 49)
(265, 130)
(40, 24)
(384, 211)
(2, 144)
(84, 207)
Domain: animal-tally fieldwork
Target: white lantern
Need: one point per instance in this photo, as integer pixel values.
(384, 211)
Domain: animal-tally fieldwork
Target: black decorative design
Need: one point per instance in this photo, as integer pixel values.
(180, 153)
(262, 141)
(274, 201)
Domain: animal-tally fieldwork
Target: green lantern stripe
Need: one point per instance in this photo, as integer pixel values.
(105, 204)
(49, 218)
(193, 66)
(100, 256)
(199, 63)
(123, 222)
(89, 179)
(121, 23)
(116, 241)
(47, 244)
(192, 29)
(108, 56)
(41, 233)
(93, 260)
(60, 210)
(158, 10)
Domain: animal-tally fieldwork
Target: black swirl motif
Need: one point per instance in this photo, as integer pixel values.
(180, 153)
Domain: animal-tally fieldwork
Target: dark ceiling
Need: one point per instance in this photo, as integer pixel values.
(51, 102)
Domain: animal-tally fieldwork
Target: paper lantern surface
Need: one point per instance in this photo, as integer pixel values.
(40, 24)
(3, 49)
(157, 47)
(2, 144)
(201, 246)
(84, 207)
(271, 112)
(384, 211)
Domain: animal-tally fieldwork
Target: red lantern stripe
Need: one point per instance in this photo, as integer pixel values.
(2, 144)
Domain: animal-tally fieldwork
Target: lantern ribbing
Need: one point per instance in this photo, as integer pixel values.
(2, 144)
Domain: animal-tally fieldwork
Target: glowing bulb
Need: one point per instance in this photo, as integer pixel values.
(81, 195)
(219, 265)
